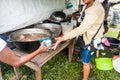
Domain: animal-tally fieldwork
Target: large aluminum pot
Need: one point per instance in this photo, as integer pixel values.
(54, 28)
(27, 40)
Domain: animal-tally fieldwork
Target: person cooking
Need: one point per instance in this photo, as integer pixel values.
(94, 16)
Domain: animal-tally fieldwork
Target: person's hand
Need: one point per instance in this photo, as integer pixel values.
(58, 41)
(43, 47)
(105, 29)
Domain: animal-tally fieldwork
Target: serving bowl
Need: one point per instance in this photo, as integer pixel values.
(54, 28)
(27, 40)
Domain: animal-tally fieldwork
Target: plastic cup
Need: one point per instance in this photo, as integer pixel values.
(48, 42)
(66, 27)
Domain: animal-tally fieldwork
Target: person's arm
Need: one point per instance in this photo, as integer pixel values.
(112, 4)
(58, 41)
(8, 56)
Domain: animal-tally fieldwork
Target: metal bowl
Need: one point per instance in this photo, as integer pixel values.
(54, 28)
(57, 16)
(27, 40)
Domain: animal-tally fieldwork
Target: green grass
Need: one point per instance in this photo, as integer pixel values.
(58, 68)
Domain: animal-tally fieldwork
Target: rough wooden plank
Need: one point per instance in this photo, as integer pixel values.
(43, 57)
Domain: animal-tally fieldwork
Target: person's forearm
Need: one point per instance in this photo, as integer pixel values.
(28, 57)
(8, 56)
(116, 3)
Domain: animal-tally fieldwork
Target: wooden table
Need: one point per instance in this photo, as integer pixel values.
(37, 62)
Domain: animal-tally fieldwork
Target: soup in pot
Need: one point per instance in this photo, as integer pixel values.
(30, 37)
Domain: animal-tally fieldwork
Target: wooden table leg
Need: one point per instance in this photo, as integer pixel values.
(71, 49)
(38, 74)
(16, 70)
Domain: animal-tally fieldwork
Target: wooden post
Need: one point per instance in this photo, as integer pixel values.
(16, 70)
(71, 49)
(38, 74)
(79, 6)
